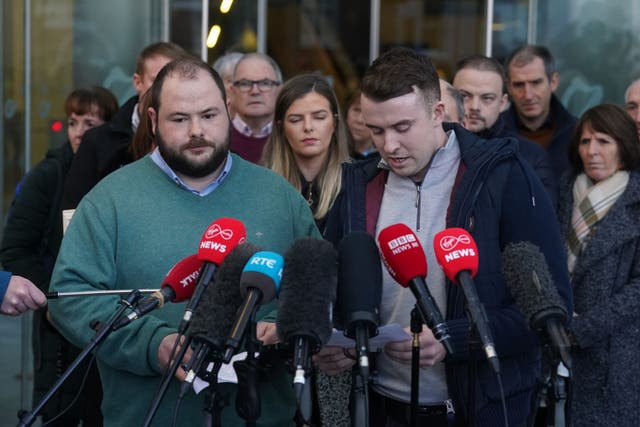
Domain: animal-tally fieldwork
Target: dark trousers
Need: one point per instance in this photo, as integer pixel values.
(387, 412)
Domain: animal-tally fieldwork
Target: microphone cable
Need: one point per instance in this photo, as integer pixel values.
(77, 395)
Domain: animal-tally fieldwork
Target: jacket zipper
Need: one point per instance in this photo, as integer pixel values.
(418, 203)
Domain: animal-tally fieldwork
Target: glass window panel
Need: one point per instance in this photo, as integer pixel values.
(325, 36)
(596, 47)
(446, 30)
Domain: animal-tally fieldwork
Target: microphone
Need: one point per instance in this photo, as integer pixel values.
(359, 292)
(259, 284)
(457, 254)
(177, 286)
(218, 240)
(304, 313)
(404, 258)
(213, 318)
(527, 275)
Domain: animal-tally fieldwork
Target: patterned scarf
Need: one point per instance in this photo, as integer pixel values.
(591, 202)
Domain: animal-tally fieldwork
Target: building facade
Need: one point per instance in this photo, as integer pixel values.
(50, 47)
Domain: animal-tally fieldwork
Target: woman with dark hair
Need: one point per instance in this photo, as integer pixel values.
(599, 214)
(309, 141)
(30, 245)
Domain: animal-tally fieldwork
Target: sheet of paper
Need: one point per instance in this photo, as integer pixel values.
(386, 333)
(226, 374)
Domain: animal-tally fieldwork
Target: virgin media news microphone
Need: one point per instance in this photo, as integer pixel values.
(359, 292)
(304, 320)
(457, 254)
(527, 275)
(259, 284)
(218, 240)
(404, 258)
(177, 286)
(213, 318)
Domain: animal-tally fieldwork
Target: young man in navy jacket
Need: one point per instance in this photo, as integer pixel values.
(432, 177)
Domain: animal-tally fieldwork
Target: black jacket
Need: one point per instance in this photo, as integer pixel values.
(558, 149)
(103, 150)
(33, 231)
(532, 152)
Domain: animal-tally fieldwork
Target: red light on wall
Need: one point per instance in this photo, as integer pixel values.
(57, 126)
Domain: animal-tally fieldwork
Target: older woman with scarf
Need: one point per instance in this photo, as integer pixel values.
(599, 214)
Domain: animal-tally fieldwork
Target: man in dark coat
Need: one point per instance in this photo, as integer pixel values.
(481, 81)
(536, 113)
(431, 178)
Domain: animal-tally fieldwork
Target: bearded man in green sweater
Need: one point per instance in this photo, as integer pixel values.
(140, 220)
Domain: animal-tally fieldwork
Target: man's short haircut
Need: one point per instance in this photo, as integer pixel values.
(264, 57)
(396, 72)
(482, 63)
(614, 121)
(226, 63)
(527, 53)
(187, 69)
(166, 49)
(457, 98)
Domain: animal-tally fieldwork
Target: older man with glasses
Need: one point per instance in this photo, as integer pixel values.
(256, 83)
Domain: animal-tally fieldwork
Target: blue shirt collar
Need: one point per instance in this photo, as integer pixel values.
(156, 157)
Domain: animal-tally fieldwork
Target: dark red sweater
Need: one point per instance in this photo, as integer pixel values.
(247, 147)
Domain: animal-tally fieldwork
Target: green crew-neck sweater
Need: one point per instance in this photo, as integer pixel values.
(126, 234)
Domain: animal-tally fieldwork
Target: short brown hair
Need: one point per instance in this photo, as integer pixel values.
(85, 99)
(167, 49)
(612, 120)
(186, 68)
(396, 72)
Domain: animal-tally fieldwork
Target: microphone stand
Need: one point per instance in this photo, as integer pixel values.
(360, 393)
(416, 328)
(472, 370)
(248, 396)
(102, 332)
(155, 404)
(214, 401)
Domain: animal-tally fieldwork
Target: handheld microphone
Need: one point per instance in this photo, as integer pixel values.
(213, 318)
(404, 258)
(177, 286)
(528, 278)
(304, 313)
(457, 254)
(218, 240)
(259, 284)
(359, 292)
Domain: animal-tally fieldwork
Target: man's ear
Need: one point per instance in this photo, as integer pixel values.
(504, 102)
(154, 119)
(438, 113)
(555, 79)
(137, 83)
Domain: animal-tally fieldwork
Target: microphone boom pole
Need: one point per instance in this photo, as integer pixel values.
(28, 418)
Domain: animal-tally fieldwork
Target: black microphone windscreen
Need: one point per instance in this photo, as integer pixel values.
(528, 278)
(359, 280)
(307, 292)
(215, 314)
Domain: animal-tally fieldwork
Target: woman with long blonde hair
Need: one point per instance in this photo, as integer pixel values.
(309, 141)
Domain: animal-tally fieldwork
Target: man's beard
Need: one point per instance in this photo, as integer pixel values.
(180, 163)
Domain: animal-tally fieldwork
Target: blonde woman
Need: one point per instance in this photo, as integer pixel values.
(309, 141)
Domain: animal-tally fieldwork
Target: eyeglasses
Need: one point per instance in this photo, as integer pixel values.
(264, 85)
